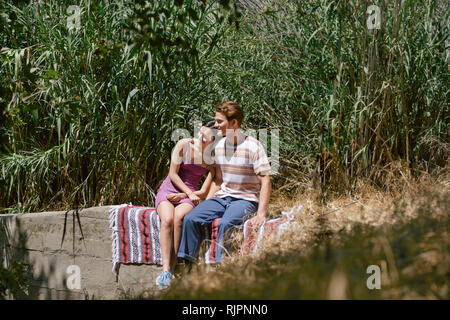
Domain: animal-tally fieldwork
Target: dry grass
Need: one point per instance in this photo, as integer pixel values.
(403, 230)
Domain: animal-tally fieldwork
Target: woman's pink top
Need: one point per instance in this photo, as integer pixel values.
(190, 174)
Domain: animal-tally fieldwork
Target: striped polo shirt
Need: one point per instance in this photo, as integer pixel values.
(240, 166)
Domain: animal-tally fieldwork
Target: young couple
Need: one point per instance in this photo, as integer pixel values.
(237, 185)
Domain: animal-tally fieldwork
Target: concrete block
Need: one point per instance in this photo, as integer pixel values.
(35, 238)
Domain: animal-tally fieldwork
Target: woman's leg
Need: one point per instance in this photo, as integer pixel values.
(180, 211)
(165, 211)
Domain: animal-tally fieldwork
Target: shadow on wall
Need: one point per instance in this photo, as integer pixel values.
(20, 278)
(79, 268)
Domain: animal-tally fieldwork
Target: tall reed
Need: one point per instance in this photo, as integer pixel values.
(87, 115)
(350, 101)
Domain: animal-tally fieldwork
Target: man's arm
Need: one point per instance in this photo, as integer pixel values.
(264, 196)
(205, 186)
(215, 184)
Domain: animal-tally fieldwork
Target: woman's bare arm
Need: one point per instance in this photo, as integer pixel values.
(202, 193)
(177, 156)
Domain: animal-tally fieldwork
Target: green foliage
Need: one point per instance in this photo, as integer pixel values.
(87, 114)
(13, 280)
(177, 34)
(348, 100)
(83, 109)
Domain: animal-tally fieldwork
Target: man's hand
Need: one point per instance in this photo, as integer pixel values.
(257, 221)
(194, 198)
(264, 195)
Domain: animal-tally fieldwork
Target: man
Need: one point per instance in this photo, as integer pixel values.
(241, 187)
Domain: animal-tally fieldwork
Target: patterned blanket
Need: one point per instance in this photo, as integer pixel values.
(271, 230)
(135, 236)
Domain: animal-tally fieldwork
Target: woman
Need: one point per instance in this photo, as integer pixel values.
(178, 195)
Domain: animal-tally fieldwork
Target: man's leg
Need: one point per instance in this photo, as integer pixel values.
(205, 212)
(236, 213)
(180, 212)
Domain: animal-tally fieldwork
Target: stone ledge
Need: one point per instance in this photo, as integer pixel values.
(35, 238)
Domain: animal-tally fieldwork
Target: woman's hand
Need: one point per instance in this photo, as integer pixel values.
(194, 198)
(175, 197)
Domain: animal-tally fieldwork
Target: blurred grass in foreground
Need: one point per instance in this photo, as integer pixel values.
(405, 233)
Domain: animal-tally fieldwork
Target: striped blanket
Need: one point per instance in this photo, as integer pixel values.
(135, 236)
(136, 229)
(209, 238)
(255, 239)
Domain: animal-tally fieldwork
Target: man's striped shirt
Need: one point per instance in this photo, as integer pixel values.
(240, 166)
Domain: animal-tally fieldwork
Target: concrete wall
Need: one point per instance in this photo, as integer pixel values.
(35, 238)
